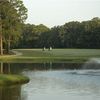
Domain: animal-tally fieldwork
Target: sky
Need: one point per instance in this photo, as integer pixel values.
(58, 12)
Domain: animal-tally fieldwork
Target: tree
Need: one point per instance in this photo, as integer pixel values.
(73, 34)
(13, 14)
(1, 25)
(90, 34)
(31, 35)
(1, 43)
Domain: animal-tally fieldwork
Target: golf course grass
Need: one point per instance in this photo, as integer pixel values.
(7, 80)
(38, 55)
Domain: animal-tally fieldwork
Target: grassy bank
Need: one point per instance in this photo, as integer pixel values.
(6, 80)
(37, 55)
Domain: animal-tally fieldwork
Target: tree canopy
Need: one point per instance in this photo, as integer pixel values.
(12, 14)
(16, 34)
(73, 34)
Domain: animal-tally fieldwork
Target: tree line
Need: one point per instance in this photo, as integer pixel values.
(73, 34)
(14, 33)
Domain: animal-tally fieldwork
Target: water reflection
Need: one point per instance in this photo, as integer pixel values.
(5, 68)
(10, 93)
(18, 68)
(1, 67)
(56, 81)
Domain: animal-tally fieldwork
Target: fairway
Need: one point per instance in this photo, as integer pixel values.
(59, 52)
(39, 55)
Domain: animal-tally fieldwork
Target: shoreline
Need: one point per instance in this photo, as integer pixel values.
(9, 79)
(56, 55)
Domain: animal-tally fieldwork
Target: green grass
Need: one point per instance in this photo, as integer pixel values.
(6, 80)
(37, 55)
(60, 52)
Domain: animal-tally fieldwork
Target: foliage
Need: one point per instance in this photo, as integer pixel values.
(12, 14)
(31, 34)
(15, 34)
(73, 34)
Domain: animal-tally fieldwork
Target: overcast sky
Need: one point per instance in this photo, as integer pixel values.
(57, 12)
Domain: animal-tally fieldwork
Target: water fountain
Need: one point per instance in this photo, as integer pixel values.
(93, 63)
(91, 67)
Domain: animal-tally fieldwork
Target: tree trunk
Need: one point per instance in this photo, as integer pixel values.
(1, 38)
(8, 45)
(1, 45)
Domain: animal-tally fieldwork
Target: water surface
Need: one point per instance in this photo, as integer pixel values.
(53, 81)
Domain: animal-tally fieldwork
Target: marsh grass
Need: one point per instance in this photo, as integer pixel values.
(6, 80)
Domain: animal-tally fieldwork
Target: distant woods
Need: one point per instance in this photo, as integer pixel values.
(14, 33)
(73, 34)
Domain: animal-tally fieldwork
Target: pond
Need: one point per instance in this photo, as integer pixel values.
(53, 81)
